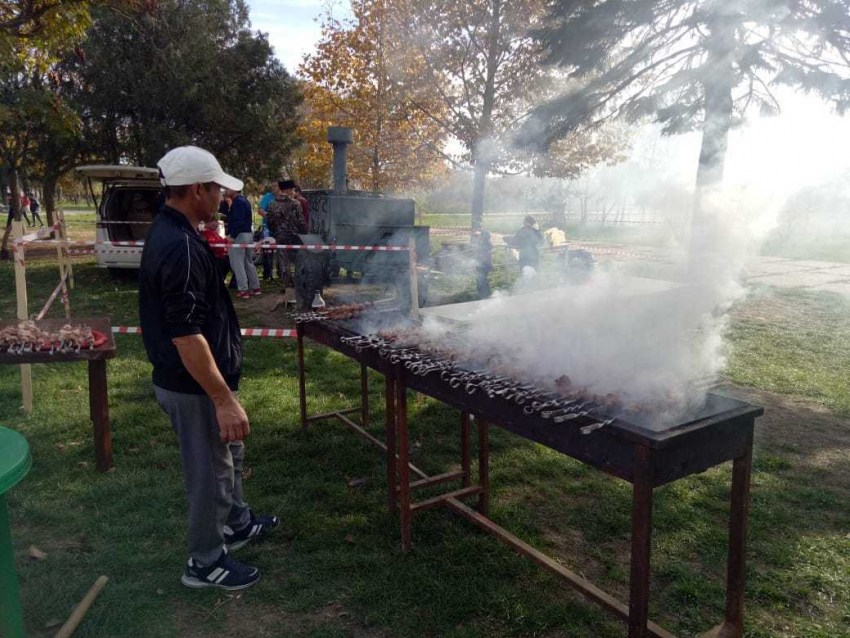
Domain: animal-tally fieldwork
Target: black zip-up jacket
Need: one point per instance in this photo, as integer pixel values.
(181, 293)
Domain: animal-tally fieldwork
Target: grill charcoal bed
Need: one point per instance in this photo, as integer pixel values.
(634, 445)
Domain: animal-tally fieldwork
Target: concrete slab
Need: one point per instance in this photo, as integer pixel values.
(634, 289)
(802, 279)
(842, 288)
(776, 267)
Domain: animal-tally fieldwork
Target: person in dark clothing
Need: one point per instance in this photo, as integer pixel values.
(305, 205)
(191, 336)
(286, 221)
(527, 241)
(240, 229)
(483, 263)
(34, 208)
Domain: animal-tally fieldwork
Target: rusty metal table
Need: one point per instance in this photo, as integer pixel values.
(96, 360)
(642, 457)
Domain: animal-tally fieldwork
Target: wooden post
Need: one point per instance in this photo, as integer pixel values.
(641, 544)
(392, 482)
(19, 255)
(465, 455)
(63, 235)
(99, 411)
(403, 474)
(414, 280)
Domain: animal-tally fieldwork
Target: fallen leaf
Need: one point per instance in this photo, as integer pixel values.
(133, 450)
(160, 592)
(84, 464)
(53, 622)
(74, 443)
(162, 465)
(341, 395)
(350, 539)
(36, 553)
(357, 482)
(112, 469)
(60, 447)
(417, 444)
(246, 474)
(153, 442)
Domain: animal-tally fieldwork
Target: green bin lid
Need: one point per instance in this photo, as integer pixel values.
(15, 459)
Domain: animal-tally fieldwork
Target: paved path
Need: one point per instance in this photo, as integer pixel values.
(812, 275)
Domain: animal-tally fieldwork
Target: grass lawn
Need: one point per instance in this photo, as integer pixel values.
(335, 569)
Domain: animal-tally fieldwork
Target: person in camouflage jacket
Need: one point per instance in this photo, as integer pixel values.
(286, 222)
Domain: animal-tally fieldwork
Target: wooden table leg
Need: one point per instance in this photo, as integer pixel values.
(11, 619)
(465, 455)
(736, 568)
(302, 381)
(364, 395)
(484, 466)
(390, 441)
(99, 410)
(403, 464)
(641, 544)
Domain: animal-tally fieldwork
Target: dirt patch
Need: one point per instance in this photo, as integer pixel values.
(231, 611)
(813, 437)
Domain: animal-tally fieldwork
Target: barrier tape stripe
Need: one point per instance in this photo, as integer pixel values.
(52, 297)
(246, 332)
(266, 245)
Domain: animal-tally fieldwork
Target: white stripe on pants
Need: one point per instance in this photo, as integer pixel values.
(242, 263)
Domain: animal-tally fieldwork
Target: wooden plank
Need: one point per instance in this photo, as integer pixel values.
(580, 584)
(332, 415)
(437, 480)
(99, 410)
(21, 298)
(437, 501)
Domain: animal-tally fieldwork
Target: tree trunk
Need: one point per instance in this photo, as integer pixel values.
(481, 170)
(715, 140)
(485, 128)
(50, 181)
(15, 206)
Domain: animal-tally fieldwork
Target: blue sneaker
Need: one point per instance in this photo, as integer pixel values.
(259, 526)
(225, 573)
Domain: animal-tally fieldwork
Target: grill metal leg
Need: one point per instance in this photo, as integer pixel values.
(465, 456)
(403, 467)
(391, 442)
(364, 395)
(484, 466)
(641, 544)
(302, 381)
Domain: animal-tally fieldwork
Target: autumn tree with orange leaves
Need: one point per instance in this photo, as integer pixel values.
(352, 80)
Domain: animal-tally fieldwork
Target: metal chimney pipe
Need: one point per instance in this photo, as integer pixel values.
(340, 137)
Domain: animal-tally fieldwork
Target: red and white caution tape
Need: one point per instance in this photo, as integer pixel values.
(267, 245)
(52, 297)
(246, 332)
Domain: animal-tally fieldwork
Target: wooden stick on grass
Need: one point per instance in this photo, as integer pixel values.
(80, 611)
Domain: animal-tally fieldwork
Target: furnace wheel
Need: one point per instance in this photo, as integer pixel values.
(309, 277)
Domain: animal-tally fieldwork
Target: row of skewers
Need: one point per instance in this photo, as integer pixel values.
(27, 337)
(423, 355)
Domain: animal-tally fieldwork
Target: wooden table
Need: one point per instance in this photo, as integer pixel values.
(96, 358)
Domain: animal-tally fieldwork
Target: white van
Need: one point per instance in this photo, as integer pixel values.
(129, 194)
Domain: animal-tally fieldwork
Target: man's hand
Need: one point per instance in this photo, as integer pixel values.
(232, 421)
(196, 356)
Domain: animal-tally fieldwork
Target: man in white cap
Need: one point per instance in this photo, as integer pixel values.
(192, 338)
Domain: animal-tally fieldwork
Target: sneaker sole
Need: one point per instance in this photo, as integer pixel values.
(194, 583)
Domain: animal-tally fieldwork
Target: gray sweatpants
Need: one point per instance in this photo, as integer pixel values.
(242, 262)
(212, 473)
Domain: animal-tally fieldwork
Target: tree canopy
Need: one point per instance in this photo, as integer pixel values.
(352, 81)
(186, 73)
(690, 64)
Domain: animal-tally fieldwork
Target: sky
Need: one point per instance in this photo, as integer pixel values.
(292, 25)
(806, 145)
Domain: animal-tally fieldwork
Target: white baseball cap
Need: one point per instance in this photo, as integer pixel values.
(192, 165)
